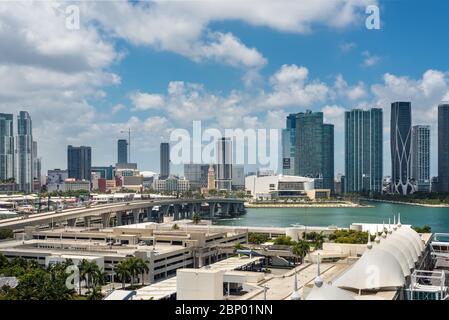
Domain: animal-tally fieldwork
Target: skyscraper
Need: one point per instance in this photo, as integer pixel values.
(24, 152)
(363, 150)
(224, 164)
(421, 158)
(289, 145)
(122, 151)
(314, 154)
(6, 146)
(443, 147)
(37, 167)
(164, 160)
(400, 144)
(79, 162)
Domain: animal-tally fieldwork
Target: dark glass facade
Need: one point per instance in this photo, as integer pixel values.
(24, 152)
(363, 150)
(400, 145)
(315, 149)
(122, 151)
(79, 162)
(289, 146)
(443, 147)
(164, 160)
(6, 146)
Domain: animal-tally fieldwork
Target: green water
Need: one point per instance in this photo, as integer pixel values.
(437, 218)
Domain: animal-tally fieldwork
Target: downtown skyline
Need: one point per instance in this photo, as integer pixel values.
(122, 79)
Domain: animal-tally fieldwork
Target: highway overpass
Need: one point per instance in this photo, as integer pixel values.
(132, 212)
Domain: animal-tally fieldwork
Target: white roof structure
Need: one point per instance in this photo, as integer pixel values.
(398, 254)
(412, 235)
(376, 269)
(324, 291)
(386, 263)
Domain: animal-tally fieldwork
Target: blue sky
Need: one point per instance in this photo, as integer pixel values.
(244, 64)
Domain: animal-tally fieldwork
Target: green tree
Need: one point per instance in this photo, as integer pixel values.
(123, 271)
(143, 268)
(300, 249)
(425, 229)
(283, 240)
(196, 218)
(95, 294)
(6, 234)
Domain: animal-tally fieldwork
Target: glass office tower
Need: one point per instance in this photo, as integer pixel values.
(421, 158)
(443, 147)
(400, 144)
(314, 154)
(6, 146)
(363, 150)
(164, 161)
(122, 151)
(24, 153)
(79, 162)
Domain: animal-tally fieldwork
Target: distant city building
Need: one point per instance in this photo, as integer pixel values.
(238, 177)
(339, 184)
(71, 184)
(280, 186)
(289, 146)
(197, 174)
(443, 147)
(211, 178)
(126, 169)
(122, 151)
(55, 179)
(37, 167)
(363, 150)
(79, 162)
(421, 158)
(263, 173)
(105, 172)
(24, 153)
(400, 143)
(224, 164)
(164, 160)
(171, 184)
(6, 146)
(314, 154)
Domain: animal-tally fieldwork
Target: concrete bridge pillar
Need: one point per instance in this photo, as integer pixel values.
(119, 218)
(148, 213)
(71, 222)
(212, 206)
(87, 222)
(164, 210)
(224, 208)
(136, 216)
(106, 219)
(235, 207)
(176, 208)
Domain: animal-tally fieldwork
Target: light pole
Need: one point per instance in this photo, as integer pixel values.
(129, 143)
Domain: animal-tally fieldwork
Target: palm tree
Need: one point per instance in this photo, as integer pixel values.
(123, 271)
(90, 271)
(143, 268)
(95, 294)
(301, 249)
(196, 218)
(319, 240)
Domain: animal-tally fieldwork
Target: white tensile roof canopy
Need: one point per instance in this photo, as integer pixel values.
(386, 263)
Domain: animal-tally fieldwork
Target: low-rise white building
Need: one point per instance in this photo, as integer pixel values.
(278, 186)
